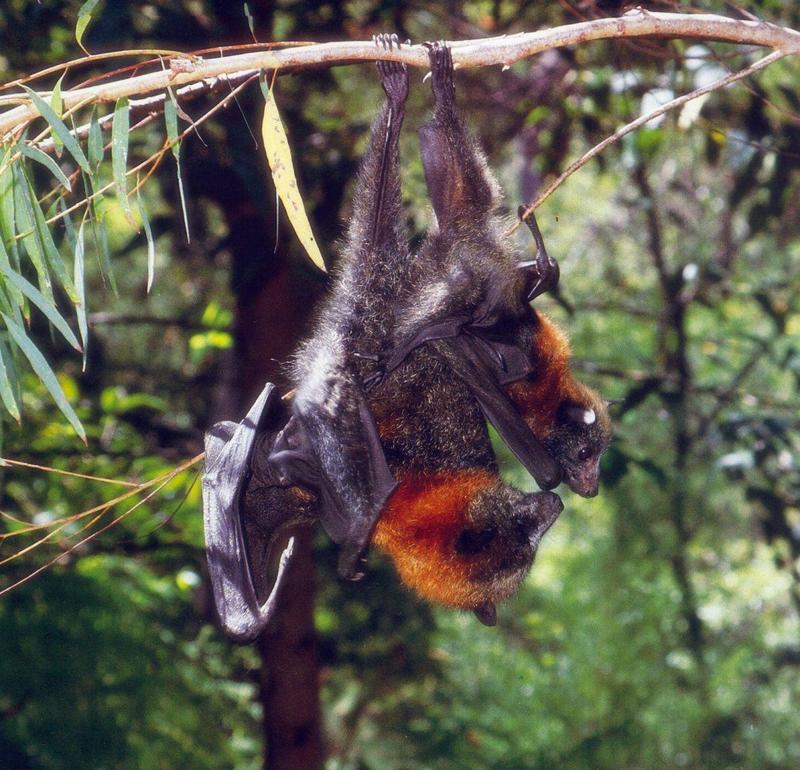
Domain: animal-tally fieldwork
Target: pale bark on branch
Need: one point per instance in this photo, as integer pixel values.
(504, 50)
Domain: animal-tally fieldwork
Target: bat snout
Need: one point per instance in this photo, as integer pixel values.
(584, 480)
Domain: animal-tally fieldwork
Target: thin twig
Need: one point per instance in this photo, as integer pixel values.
(164, 480)
(640, 121)
(5, 461)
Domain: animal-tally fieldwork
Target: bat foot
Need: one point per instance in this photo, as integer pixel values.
(374, 378)
(542, 273)
(394, 74)
(441, 61)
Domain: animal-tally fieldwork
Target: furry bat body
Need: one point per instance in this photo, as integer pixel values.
(470, 304)
(457, 534)
(435, 337)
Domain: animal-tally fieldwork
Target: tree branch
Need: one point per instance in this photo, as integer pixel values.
(473, 53)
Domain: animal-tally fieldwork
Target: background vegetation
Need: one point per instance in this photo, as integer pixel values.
(659, 627)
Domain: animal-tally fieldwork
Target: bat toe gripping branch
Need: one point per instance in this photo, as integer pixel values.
(543, 272)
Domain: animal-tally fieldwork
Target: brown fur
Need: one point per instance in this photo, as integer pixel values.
(540, 395)
(421, 528)
(418, 528)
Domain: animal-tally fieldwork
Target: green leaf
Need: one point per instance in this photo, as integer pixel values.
(38, 299)
(184, 210)
(26, 225)
(57, 103)
(80, 306)
(100, 234)
(59, 128)
(151, 247)
(7, 220)
(69, 227)
(9, 304)
(279, 157)
(250, 22)
(96, 146)
(40, 157)
(84, 18)
(100, 237)
(49, 246)
(45, 374)
(216, 317)
(205, 342)
(171, 121)
(120, 134)
(7, 389)
(14, 293)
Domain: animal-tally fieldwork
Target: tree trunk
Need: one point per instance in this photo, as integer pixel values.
(268, 325)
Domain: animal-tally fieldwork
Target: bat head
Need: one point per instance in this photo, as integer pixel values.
(502, 552)
(580, 436)
(499, 536)
(465, 539)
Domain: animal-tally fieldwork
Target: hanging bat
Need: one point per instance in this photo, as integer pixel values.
(470, 303)
(467, 555)
(475, 550)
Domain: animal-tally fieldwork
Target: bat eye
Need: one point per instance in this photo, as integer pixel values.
(584, 453)
(472, 541)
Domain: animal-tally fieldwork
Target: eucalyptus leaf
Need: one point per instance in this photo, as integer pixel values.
(43, 303)
(120, 135)
(40, 157)
(45, 373)
(59, 128)
(29, 234)
(84, 18)
(151, 248)
(8, 229)
(52, 254)
(80, 306)
(13, 292)
(7, 389)
(279, 157)
(100, 237)
(171, 122)
(96, 146)
(57, 103)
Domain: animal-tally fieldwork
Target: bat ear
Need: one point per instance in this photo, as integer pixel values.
(581, 415)
(486, 613)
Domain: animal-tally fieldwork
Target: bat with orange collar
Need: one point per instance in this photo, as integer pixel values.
(404, 462)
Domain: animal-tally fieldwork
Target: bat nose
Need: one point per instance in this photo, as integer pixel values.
(586, 485)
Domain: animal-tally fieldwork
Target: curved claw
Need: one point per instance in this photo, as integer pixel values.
(543, 272)
(374, 378)
(441, 63)
(394, 74)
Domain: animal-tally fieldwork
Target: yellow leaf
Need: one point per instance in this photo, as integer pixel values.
(279, 157)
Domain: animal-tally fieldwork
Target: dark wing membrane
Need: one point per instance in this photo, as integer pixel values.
(229, 449)
(363, 475)
(468, 359)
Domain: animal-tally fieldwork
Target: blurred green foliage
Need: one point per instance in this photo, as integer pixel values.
(659, 627)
